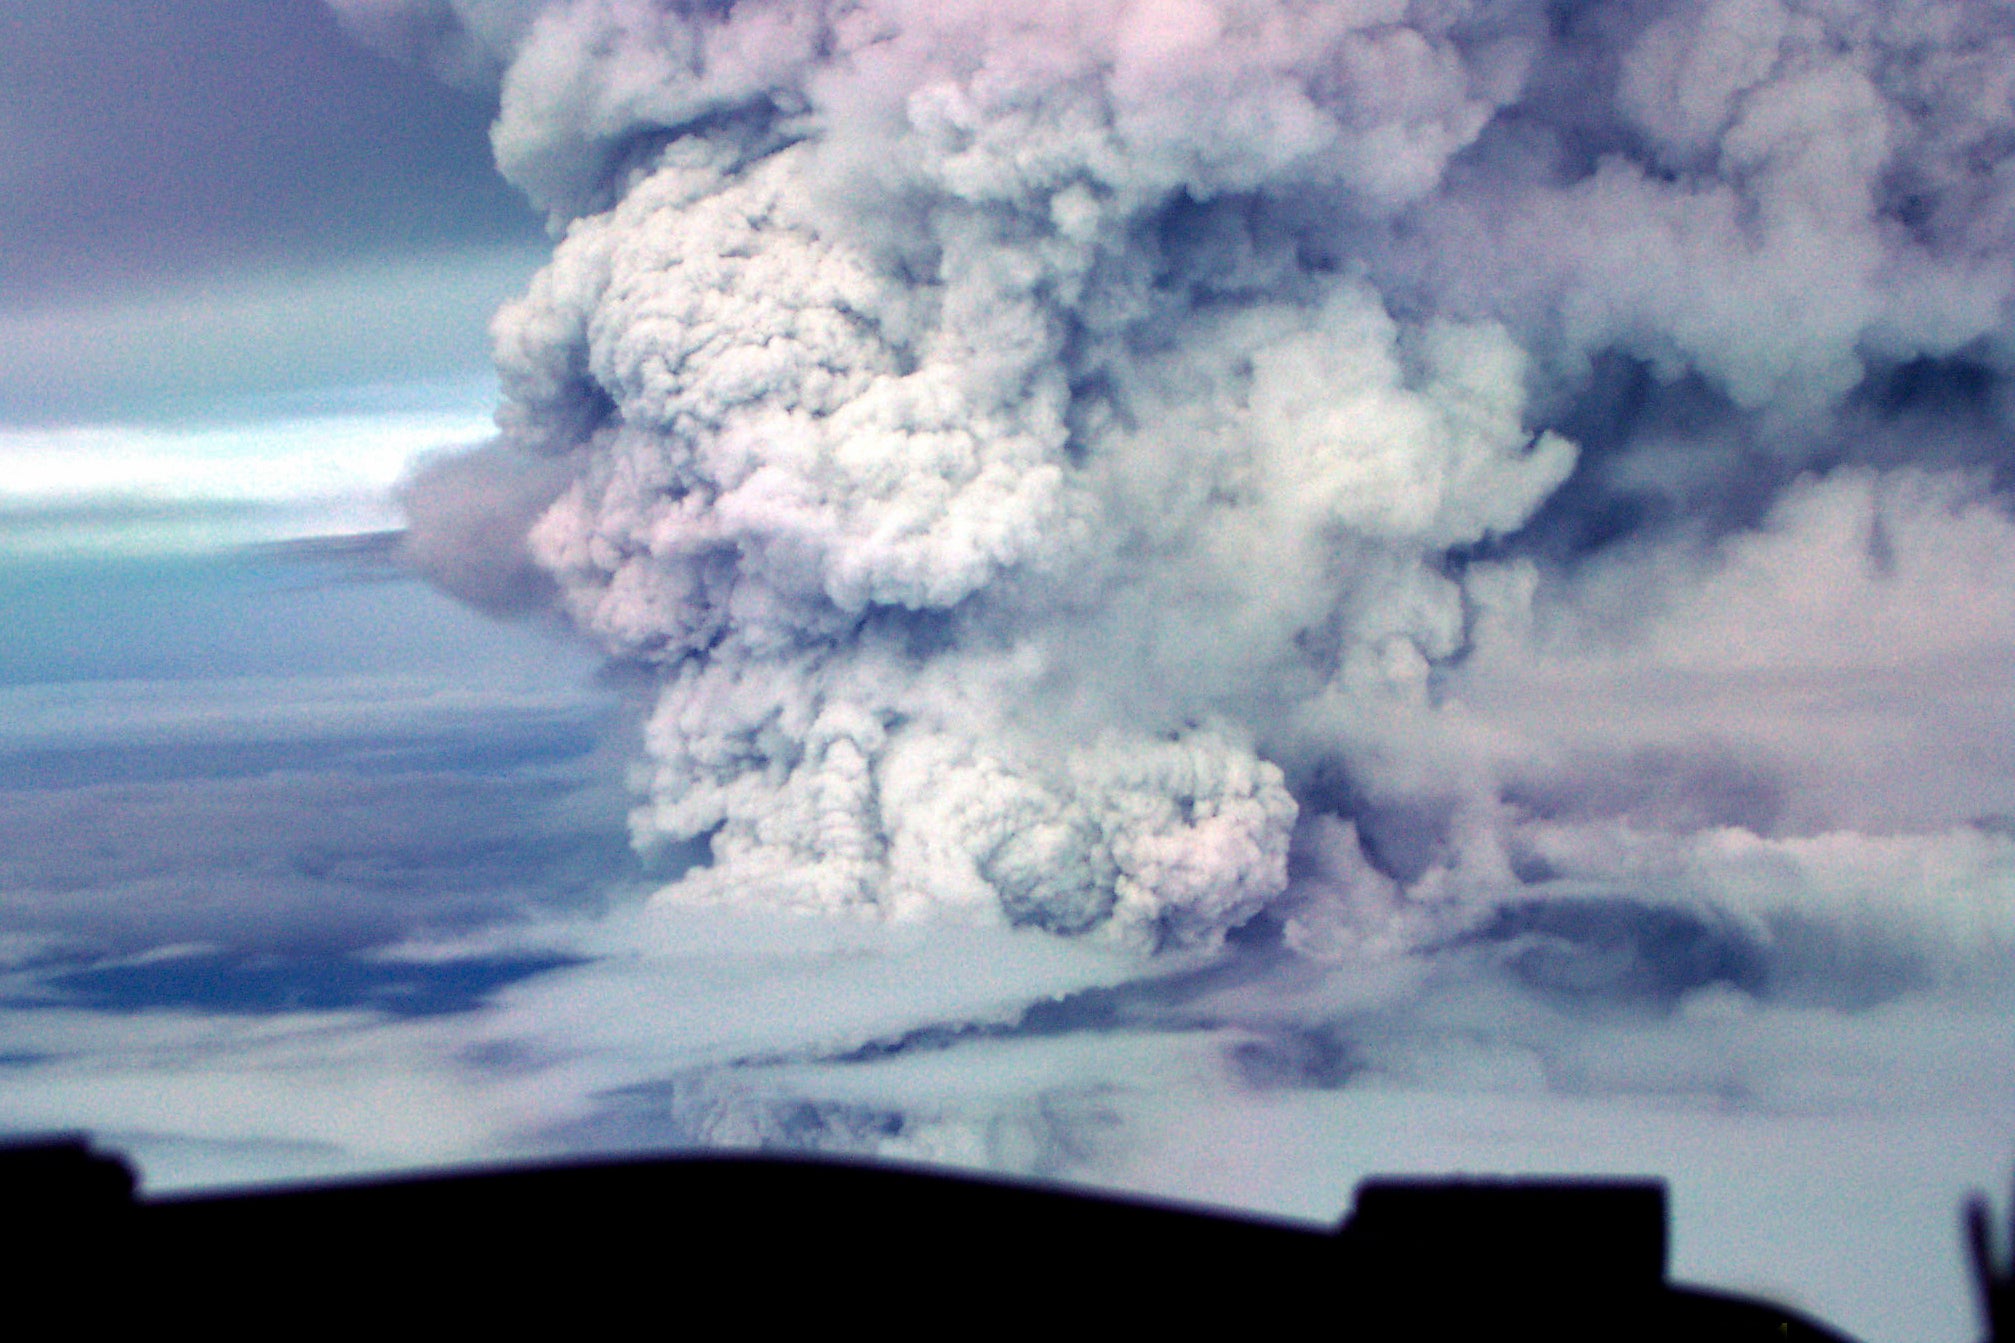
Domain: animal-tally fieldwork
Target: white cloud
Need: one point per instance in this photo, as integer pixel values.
(86, 488)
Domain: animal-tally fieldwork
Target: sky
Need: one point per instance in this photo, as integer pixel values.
(250, 268)
(1206, 598)
(215, 202)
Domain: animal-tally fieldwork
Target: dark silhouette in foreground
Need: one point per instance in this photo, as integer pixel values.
(819, 1243)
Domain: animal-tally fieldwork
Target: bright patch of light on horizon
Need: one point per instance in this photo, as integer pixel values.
(75, 489)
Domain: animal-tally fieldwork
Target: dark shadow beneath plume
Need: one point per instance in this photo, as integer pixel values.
(1948, 413)
(1317, 1057)
(1659, 455)
(1617, 953)
(1621, 953)
(1644, 467)
(1663, 788)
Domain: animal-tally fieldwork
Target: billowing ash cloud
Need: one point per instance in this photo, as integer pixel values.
(1129, 465)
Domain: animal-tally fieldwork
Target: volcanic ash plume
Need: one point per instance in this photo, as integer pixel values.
(1057, 457)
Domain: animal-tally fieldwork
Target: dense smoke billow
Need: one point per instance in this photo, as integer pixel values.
(1135, 467)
